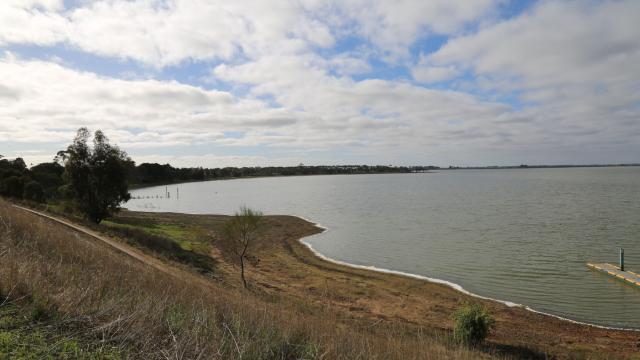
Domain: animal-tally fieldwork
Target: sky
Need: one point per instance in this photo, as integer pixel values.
(217, 83)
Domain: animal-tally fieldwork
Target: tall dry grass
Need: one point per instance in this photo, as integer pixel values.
(149, 314)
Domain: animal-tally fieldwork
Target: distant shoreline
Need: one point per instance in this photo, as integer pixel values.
(288, 267)
(430, 170)
(524, 166)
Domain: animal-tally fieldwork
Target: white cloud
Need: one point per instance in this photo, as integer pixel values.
(560, 45)
(563, 75)
(349, 64)
(394, 25)
(433, 74)
(576, 63)
(161, 33)
(34, 22)
(213, 160)
(165, 33)
(44, 102)
(372, 113)
(38, 4)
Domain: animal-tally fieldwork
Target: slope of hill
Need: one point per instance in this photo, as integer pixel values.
(137, 287)
(110, 299)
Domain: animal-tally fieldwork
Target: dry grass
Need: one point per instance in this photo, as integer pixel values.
(149, 314)
(284, 268)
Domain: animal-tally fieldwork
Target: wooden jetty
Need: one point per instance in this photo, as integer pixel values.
(615, 271)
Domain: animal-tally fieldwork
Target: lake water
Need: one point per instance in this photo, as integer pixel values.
(521, 235)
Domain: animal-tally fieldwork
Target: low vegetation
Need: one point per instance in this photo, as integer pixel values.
(328, 311)
(136, 311)
(69, 295)
(28, 331)
(169, 246)
(243, 230)
(472, 324)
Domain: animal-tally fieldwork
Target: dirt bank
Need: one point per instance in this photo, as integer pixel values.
(283, 265)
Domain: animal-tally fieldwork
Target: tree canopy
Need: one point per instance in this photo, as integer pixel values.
(14, 178)
(96, 175)
(153, 173)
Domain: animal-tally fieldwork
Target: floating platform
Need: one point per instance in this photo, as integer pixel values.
(613, 270)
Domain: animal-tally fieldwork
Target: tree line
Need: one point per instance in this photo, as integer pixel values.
(155, 174)
(39, 183)
(94, 176)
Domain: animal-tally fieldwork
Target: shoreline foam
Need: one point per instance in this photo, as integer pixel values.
(450, 284)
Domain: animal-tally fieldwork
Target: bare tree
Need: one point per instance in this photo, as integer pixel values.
(243, 229)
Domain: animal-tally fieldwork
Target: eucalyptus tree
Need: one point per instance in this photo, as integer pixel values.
(96, 174)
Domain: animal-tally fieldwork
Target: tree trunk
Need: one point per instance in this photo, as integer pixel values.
(244, 281)
(244, 251)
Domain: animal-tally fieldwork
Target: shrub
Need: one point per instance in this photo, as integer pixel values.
(33, 191)
(13, 186)
(472, 324)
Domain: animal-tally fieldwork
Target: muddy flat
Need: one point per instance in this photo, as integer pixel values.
(282, 265)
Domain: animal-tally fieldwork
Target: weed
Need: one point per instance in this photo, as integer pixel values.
(472, 324)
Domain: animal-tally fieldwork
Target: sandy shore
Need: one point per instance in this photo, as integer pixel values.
(393, 297)
(282, 265)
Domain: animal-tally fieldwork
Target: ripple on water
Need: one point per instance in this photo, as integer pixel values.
(516, 235)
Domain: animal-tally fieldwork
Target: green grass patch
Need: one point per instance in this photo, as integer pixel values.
(189, 238)
(175, 242)
(24, 335)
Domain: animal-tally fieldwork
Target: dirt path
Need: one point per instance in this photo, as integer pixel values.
(128, 250)
(288, 268)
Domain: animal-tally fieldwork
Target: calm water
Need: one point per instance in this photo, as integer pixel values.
(517, 235)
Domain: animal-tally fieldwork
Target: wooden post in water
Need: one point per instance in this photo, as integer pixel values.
(621, 259)
(177, 193)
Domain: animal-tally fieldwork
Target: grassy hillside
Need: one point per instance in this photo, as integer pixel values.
(177, 294)
(28, 331)
(282, 267)
(109, 304)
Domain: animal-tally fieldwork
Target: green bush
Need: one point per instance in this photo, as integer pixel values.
(33, 191)
(13, 186)
(472, 324)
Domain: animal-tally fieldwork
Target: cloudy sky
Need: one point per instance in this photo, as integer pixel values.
(254, 82)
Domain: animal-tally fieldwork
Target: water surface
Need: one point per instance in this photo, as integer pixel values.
(521, 235)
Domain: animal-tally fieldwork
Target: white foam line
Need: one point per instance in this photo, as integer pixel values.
(438, 281)
(324, 228)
